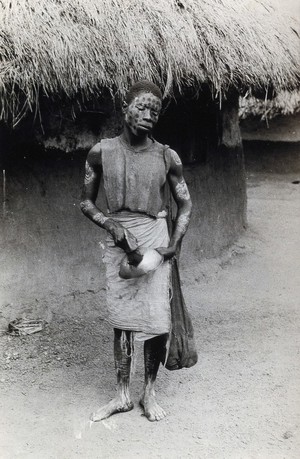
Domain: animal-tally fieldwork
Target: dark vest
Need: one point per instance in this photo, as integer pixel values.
(134, 180)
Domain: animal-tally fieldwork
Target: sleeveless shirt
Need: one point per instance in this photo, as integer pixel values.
(135, 180)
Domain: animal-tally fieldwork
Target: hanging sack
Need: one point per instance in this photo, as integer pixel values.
(182, 349)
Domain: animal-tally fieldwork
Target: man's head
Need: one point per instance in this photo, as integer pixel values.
(143, 86)
(142, 107)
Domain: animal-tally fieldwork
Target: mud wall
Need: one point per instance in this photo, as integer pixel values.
(283, 128)
(51, 254)
(208, 139)
(48, 250)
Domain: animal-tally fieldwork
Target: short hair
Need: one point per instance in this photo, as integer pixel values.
(143, 86)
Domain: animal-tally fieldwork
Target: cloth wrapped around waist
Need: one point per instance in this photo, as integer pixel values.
(140, 304)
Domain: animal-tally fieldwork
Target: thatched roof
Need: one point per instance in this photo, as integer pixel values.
(285, 103)
(80, 46)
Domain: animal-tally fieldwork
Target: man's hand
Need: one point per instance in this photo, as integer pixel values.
(167, 252)
(115, 229)
(121, 236)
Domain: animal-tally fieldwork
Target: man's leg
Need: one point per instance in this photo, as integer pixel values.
(154, 350)
(122, 402)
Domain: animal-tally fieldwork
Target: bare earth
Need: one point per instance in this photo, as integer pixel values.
(242, 400)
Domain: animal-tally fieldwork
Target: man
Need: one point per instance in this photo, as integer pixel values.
(135, 169)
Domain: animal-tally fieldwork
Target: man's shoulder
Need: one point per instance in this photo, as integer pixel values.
(95, 154)
(158, 145)
(110, 139)
(108, 144)
(171, 158)
(94, 157)
(95, 149)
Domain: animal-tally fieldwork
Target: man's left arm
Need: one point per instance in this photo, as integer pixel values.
(182, 198)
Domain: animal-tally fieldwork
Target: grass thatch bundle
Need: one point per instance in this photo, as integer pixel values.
(76, 47)
(285, 103)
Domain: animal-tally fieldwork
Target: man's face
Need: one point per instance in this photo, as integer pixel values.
(142, 114)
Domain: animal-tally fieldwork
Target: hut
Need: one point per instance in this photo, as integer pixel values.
(270, 131)
(65, 66)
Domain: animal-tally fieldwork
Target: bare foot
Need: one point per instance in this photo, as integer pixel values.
(117, 405)
(153, 411)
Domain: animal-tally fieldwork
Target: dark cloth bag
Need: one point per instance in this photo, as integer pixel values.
(182, 349)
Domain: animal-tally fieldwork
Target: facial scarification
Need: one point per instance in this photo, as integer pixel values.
(142, 113)
(176, 158)
(89, 174)
(182, 190)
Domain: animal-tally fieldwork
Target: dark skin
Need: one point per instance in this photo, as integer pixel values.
(140, 117)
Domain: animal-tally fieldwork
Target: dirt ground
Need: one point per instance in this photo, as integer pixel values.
(242, 399)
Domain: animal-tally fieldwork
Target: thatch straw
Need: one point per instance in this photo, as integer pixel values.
(81, 46)
(285, 103)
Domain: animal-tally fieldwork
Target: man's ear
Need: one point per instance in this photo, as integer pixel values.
(124, 107)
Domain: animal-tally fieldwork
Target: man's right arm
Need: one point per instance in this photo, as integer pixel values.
(93, 172)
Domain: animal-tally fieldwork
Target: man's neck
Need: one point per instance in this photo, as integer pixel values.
(136, 141)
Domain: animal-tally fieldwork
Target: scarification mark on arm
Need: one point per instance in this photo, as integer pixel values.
(89, 174)
(183, 223)
(176, 158)
(182, 191)
(86, 205)
(99, 218)
(88, 208)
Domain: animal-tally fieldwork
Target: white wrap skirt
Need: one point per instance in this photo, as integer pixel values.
(141, 304)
